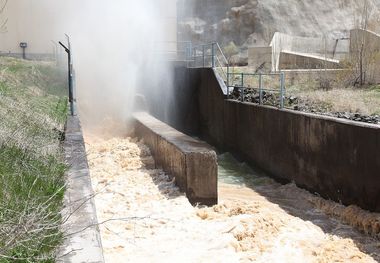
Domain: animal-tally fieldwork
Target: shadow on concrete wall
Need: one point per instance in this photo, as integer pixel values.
(336, 158)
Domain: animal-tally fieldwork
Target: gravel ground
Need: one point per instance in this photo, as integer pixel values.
(302, 104)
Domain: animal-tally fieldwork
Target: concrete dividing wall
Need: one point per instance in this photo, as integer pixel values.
(293, 60)
(307, 47)
(338, 159)
(193, 163)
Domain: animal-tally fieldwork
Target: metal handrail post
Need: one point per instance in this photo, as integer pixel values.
(228, 75)
(194, 57)
(187, 54)
(203, 54)
(260, 89)
(282, 87)
(242, 87)
(190, 50)
(213, 55)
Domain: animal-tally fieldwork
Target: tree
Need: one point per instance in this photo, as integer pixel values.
(364, 51)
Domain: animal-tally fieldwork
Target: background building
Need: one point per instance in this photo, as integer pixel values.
(41, 24)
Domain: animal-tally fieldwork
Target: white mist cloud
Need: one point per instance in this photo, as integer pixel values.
(113, 47)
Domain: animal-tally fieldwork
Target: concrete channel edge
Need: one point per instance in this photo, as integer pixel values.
(83, 242)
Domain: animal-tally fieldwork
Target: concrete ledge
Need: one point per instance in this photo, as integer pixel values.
(193, 163)
(83, 243)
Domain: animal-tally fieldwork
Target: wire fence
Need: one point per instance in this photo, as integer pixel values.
(209, 56)
(263, 89)
(173, 50)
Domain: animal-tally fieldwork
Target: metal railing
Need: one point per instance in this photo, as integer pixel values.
(173, 50)
(269, 90)
(261, 88)
(209, 56)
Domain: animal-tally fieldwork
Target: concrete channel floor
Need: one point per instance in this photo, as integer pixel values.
(144, 218)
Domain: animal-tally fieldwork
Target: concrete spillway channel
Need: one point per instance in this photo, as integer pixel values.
(145, 216)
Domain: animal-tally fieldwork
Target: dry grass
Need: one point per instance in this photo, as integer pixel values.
(365, 101)
(33, 110)
(336, 98)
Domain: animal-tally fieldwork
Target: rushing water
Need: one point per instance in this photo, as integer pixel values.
(146, 219)
(231, 171)
(307, 221)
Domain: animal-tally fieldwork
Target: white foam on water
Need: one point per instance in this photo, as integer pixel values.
(151, 221)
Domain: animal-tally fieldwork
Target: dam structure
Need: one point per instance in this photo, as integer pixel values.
(175, 153)
(230, 176)
(335, 158)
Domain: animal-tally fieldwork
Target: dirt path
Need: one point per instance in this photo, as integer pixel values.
(148, 220)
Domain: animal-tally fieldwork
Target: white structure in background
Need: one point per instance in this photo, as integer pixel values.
(32, 22)
(295, 52)
(286, 49)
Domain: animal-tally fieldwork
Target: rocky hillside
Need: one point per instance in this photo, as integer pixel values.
(253, 22)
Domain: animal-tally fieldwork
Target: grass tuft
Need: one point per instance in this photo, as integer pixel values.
(33, 110)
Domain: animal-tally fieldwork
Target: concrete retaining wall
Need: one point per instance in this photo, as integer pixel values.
(83, 242)
(338, 159)
(292, 60)
(193, 163)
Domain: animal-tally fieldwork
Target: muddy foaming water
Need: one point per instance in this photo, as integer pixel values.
(144, 218)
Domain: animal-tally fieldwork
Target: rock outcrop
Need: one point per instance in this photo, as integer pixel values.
(253, 22)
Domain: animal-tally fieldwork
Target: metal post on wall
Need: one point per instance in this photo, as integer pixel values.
(228, 75)
(228, 81)
(260, 89)
(189, 51)
(213, 55)
(282, 89)
(203, 55)
(70, 75)
(195, 57)
(242, 87)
